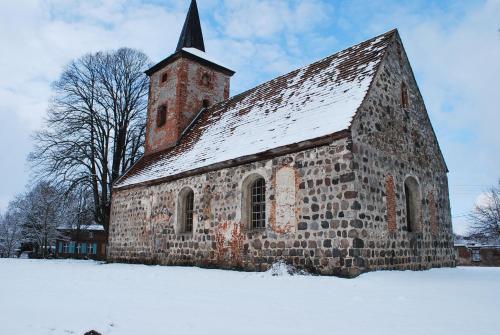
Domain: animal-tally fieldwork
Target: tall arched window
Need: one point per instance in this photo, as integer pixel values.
(254, 202)
(205, 79)
(405, 103)
(185, 210)
(412, 200)
(161, 115)
(258, 190)
(164, 77)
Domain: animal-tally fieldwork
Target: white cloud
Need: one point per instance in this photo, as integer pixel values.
(40, 37)
(268, 19)
(484, 199)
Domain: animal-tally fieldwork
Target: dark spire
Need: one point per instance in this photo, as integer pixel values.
(191, 35)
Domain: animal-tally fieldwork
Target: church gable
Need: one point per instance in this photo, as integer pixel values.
(315, 101)
(393, 118)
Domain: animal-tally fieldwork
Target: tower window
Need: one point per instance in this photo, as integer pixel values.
(206, 103)
(205, 79)
(161, 115)
(412, 199)
(164, 77)
(404, 96)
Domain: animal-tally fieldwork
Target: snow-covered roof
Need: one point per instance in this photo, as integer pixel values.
(203, 55)
(90, 227)
(311, 102)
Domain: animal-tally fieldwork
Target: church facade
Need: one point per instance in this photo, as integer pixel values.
(333, 167)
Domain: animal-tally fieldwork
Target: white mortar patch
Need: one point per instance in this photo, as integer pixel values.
(285, 199)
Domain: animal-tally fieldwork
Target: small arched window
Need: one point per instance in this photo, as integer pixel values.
(206, 103)
(161, 115)
(164, 77)
(185, 210)
(405, 103)
(254, 202)
(412, 201)
(205, 79)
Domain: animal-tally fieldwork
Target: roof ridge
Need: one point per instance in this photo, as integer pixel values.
(387, 34)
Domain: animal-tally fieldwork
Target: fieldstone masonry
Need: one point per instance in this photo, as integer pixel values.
(391, 143)
(316, 233)
(334, 209)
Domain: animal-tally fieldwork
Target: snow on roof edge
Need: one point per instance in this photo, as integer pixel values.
(205, 56)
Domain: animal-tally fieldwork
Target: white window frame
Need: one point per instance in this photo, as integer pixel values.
(91, 250)
(476, 255)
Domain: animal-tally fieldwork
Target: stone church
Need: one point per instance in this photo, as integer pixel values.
(334, 167)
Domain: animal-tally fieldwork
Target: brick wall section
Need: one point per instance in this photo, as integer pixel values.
(391, 204)
(490, 255)
(183, 92)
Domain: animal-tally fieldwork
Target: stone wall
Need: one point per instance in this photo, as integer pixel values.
(488, 255)
(391, 143)
(311, 213)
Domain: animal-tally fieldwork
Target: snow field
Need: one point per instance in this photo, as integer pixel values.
(72, 297)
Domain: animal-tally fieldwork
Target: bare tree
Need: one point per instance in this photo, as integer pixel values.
(39, 212)
(95, 126)
(485, 218)
(78, 213)
(10, 233)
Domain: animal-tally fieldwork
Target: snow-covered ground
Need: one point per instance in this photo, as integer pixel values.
(72, 297)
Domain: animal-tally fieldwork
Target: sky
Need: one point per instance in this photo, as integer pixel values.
(453, 46)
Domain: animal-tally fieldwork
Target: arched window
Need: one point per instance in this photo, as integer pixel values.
(405, 103)
(164, 77)
(206, 103)
(254, 202)
(185, 210)
(412, 201)
(258, 190)
(161, 115)
(205, 79)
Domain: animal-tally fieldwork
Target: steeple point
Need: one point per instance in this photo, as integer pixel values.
(191, 35)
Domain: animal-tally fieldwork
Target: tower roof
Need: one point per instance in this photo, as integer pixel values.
(191, 35)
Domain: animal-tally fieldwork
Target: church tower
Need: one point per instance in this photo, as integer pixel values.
(182, 85)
